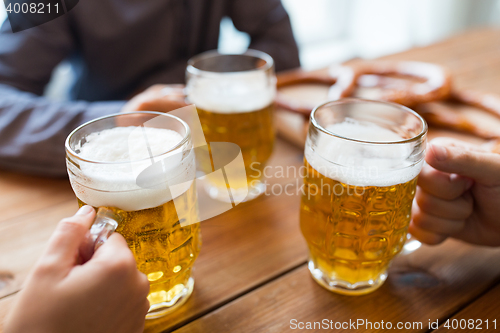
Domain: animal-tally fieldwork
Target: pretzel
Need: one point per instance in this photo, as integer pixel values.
(343, 80)
(413, 84)
(485, 101)
(441, 116)
(435, 114)
(436, 83)
(340, 79)
(496, 147)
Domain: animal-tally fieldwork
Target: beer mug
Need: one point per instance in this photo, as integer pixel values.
(362, 159)
(234, 96)
(138, 170)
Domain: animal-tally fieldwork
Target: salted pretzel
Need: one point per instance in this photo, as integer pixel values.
(485, 101)
(435, 80)
(340, 79)
(436, 83)
(496, 147)
(441, 116)
(402, 91)
(414, 84)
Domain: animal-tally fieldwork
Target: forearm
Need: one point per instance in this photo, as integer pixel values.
(285, 54)
(33, 129)
(277, 40)
(270, 30)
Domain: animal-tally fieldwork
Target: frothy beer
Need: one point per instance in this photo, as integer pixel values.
(234, 96)
(112, 159)
(356, 208)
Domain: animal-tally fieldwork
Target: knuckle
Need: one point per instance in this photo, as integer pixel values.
(143, 105)
(424, 235)
(468, 159)
(453, 194)
(144, 285)
(435, 239)
(457, 226)
(71, 225)
(424, 202)
(467, 205)
(156, 87)
(145, 307)
(42, 269)
(453, 188)
(143, 279)
(419, 221)
(128, 260)
(45, 266)
(122, 265)
(426, 175)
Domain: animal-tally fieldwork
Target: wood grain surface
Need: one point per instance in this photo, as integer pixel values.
(240, 251)
(483, 312)
(428, 284)
(251, 275)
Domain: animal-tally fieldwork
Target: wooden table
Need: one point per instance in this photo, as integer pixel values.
(251, 275)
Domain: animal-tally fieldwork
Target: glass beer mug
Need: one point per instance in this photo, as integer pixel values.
(138, 170)
(362, 159)
(234, 95)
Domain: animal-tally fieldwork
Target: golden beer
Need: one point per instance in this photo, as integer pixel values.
(252, 131)
(163, 249)
(362, 159)
(143, 172)
(354, 232)
(234, 96)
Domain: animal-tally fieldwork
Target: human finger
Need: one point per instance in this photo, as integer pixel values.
(70, 233)
(424, 236)
(443, 185)
(457, 209)
(466, 160)
(434, 224)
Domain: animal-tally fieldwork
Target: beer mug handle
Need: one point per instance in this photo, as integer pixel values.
(104, 225)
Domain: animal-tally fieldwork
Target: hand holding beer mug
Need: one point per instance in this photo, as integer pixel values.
(139, 168)
(234, 96)
(362, 160)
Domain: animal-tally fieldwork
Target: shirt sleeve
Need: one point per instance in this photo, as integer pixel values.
(268, 24)
(32, 128)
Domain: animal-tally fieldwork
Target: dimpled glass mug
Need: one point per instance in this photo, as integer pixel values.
(234, 95)
(107, 159)
(362, 160)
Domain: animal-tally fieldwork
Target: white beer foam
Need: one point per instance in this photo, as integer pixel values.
(123, 154)
(232, 92)
(363, 164)
(108, 145)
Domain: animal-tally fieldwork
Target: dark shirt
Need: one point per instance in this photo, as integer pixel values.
(116, 48)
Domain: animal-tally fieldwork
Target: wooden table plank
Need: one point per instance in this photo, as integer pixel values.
(430, 283)
(22, 239)
(483, 311)
(472, 58)
(260, 242)
(5, 304)
(243, 250)
(22, 194)
(240, 251)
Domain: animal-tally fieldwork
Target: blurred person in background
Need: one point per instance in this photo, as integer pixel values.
(116, 50)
